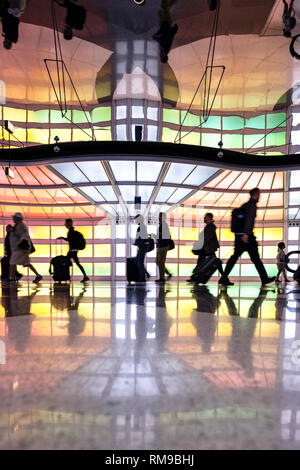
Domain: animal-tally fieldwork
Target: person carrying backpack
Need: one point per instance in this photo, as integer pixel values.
(242, 225)
(76, 242)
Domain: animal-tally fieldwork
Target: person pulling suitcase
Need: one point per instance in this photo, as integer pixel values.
(76, 242)
(206, 247)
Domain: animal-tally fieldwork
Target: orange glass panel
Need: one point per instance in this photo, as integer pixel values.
(27, 176)
(226, 182)
(266, 181)
(75, 195)
(278, 180)
(241, 180)
(214, 183)
(41, 177)
(52, 176)
(253, 181)
(276, 199)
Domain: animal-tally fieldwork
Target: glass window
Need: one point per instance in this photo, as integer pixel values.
(210, 140)
(121, 132)
(148, 171)
(257, 122)
(152, 133)
(294, 198)
(71, 172)
(293, 233)
(137, 112)
(274, 233)
(145, 192)
(171, 115)
(94, 171)
(178, 172)
(152, 113)
(295, 179)
(121, 112)
(127, 192)
(231, 123)
(101, 114)
(178, 195)
(275, 119)
(164, 193)
(123, 171)
(107, 192)
(190, 120)
(92, 193)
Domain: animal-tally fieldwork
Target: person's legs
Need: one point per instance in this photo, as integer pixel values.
(239, 248)
(254, 256)
(12, 271)
(162, 267)
(140, 258)
(73, 255)
(38, 277)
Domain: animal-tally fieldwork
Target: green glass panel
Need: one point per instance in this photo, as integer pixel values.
(213, 122)
(210, 140)
(253, 140)
(171, 115)
(186, 269)
(257, 122)
(248, 270)
(233, 123)
(168, 135)
(101, 114)
(56, 116)
(190, 119)
(233, 141)
(88, 267)
(271, 269)
(80, 116)
(102, 269)
(276, 138)
(275, 119)
(40, 116)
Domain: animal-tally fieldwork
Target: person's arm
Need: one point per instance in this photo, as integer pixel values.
(62, 238)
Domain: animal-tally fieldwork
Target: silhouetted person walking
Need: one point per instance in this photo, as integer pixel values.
(163, 244)
(74, 239)
(75, 19)
(165, 35)
(21, 246)
(141, 241)
(245, 240)
(208, 243)
(7, 255)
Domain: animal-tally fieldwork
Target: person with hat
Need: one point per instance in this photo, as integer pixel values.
(21, 247)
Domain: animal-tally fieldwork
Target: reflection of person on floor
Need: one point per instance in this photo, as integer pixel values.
(165, 35)
(61, 300)
(239, 346)
(141, 327)
(19, 331)
(205, 325)
(288, 18)
(163, 321)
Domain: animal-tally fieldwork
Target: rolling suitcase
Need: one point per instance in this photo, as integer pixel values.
(132, 272)
(205, 269)
(60, 268)
(4, 268)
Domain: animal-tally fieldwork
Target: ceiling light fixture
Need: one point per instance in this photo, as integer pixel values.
(139, 2)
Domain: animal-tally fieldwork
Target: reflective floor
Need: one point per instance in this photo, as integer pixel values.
(107, 366)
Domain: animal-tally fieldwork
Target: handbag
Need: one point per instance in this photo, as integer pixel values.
(171, 245)
(27, 245)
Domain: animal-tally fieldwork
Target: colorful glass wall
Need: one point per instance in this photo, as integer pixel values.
(39, 125)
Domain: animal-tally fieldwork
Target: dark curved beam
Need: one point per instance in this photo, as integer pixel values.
(156, 151)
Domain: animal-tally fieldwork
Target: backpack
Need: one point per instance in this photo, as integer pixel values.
(237, 219)
(80, 243)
